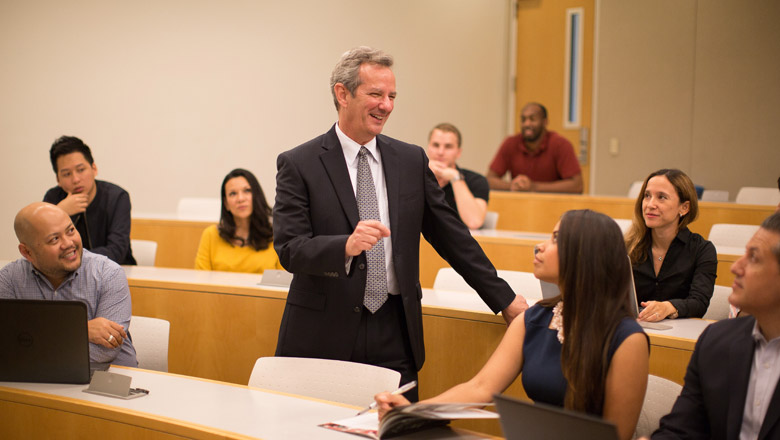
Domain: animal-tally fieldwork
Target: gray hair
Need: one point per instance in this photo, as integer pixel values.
(347, 70)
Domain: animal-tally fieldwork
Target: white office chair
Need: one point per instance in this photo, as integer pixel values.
(624, 223)
(714, 195)
(199, 209)
(751, 195)
(719, 304)
(524, 283)
(730, 238)
(338, 381)
(144, 251)
(491, 220)
(659, 399)
(150, 339)
(633, 191)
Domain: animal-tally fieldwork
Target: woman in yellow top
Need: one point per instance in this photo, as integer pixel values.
(242, 242)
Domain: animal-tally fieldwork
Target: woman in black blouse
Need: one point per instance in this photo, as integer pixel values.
(674, 268)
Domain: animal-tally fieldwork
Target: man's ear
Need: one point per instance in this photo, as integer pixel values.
(25, 251)
(341, 94)
(94, 168)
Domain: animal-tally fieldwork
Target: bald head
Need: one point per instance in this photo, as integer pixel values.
(29, 219)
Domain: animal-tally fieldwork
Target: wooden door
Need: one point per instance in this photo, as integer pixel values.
(542, 68)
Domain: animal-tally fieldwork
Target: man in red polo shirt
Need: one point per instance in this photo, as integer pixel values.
(536, 159)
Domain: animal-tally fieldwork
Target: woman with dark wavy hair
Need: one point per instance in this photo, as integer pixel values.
(674, 268)
(242, 242)
(581, 350)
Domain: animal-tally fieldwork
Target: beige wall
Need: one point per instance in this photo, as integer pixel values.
(691, 85)
(171, 95)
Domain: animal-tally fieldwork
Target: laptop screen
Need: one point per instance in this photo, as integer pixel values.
(44, 341)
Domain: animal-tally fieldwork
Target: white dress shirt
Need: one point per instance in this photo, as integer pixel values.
(351, 150)
(764, 375)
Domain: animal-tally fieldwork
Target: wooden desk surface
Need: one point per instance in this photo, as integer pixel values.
(220, 326)
(176, 407)
(540, 212)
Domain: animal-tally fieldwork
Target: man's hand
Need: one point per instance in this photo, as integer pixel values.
(514, 309)
(365, 236)
(107, 333)
(442, 172)
(74, 203)
(521, 183)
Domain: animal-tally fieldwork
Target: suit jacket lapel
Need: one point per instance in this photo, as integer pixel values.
(772, 416)
(739, 364)
(392, 170)
(333, 160)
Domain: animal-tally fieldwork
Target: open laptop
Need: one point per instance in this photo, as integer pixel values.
(525, 420)
(635, 306)
(276, 278)
(44, 341)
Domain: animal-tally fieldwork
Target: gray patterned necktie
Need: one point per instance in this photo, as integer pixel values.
(376, 278)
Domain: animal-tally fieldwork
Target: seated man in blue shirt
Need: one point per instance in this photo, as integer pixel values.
(730, 387)
(100, 210)
(55, 267)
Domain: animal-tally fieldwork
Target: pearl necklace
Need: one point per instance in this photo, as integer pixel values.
(557, 320)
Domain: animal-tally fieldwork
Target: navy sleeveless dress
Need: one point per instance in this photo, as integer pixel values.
(542, 377)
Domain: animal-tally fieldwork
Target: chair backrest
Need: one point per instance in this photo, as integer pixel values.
(491, 220)
(730, 238)
(659, 399)
(624, 223)
(719, 304)
(338, 381)
(751, 195)
(144, 251)
(524, 283)
(714, 195)
(150, 339)
(633, 191)
(199, 209)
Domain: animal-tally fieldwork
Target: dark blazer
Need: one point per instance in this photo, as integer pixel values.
(108, 232)
(314, 214)
(712, 401)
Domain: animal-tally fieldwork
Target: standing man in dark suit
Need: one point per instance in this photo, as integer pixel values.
(731, 388)
(350, 207)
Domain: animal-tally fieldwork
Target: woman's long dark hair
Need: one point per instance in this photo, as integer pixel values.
(594, 277)
(638, 239)
(261, 232)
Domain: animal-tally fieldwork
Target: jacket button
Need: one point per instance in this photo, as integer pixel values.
(361, 266)
(356, 309)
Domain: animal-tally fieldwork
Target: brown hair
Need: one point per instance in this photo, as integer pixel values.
(638, 238)
(594, 279)
(447, 128)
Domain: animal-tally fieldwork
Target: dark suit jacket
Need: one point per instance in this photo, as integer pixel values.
(316, 211)
(713, 399)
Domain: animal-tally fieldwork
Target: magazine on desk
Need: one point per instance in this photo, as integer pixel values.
(409, 418)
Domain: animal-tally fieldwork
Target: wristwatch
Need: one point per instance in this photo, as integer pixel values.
(674, 315)
(457, 177)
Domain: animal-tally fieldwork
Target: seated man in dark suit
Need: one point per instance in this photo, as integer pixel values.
(730, 387)
(99, 210)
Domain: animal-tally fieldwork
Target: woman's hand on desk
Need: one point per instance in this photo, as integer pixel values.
(655, 311)
(387, 401)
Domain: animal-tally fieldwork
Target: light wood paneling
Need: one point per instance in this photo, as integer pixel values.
(177, 240)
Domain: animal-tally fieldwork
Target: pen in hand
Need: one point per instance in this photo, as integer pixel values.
(404, 388)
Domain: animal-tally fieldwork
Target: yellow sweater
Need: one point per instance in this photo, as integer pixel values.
(214, 253)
